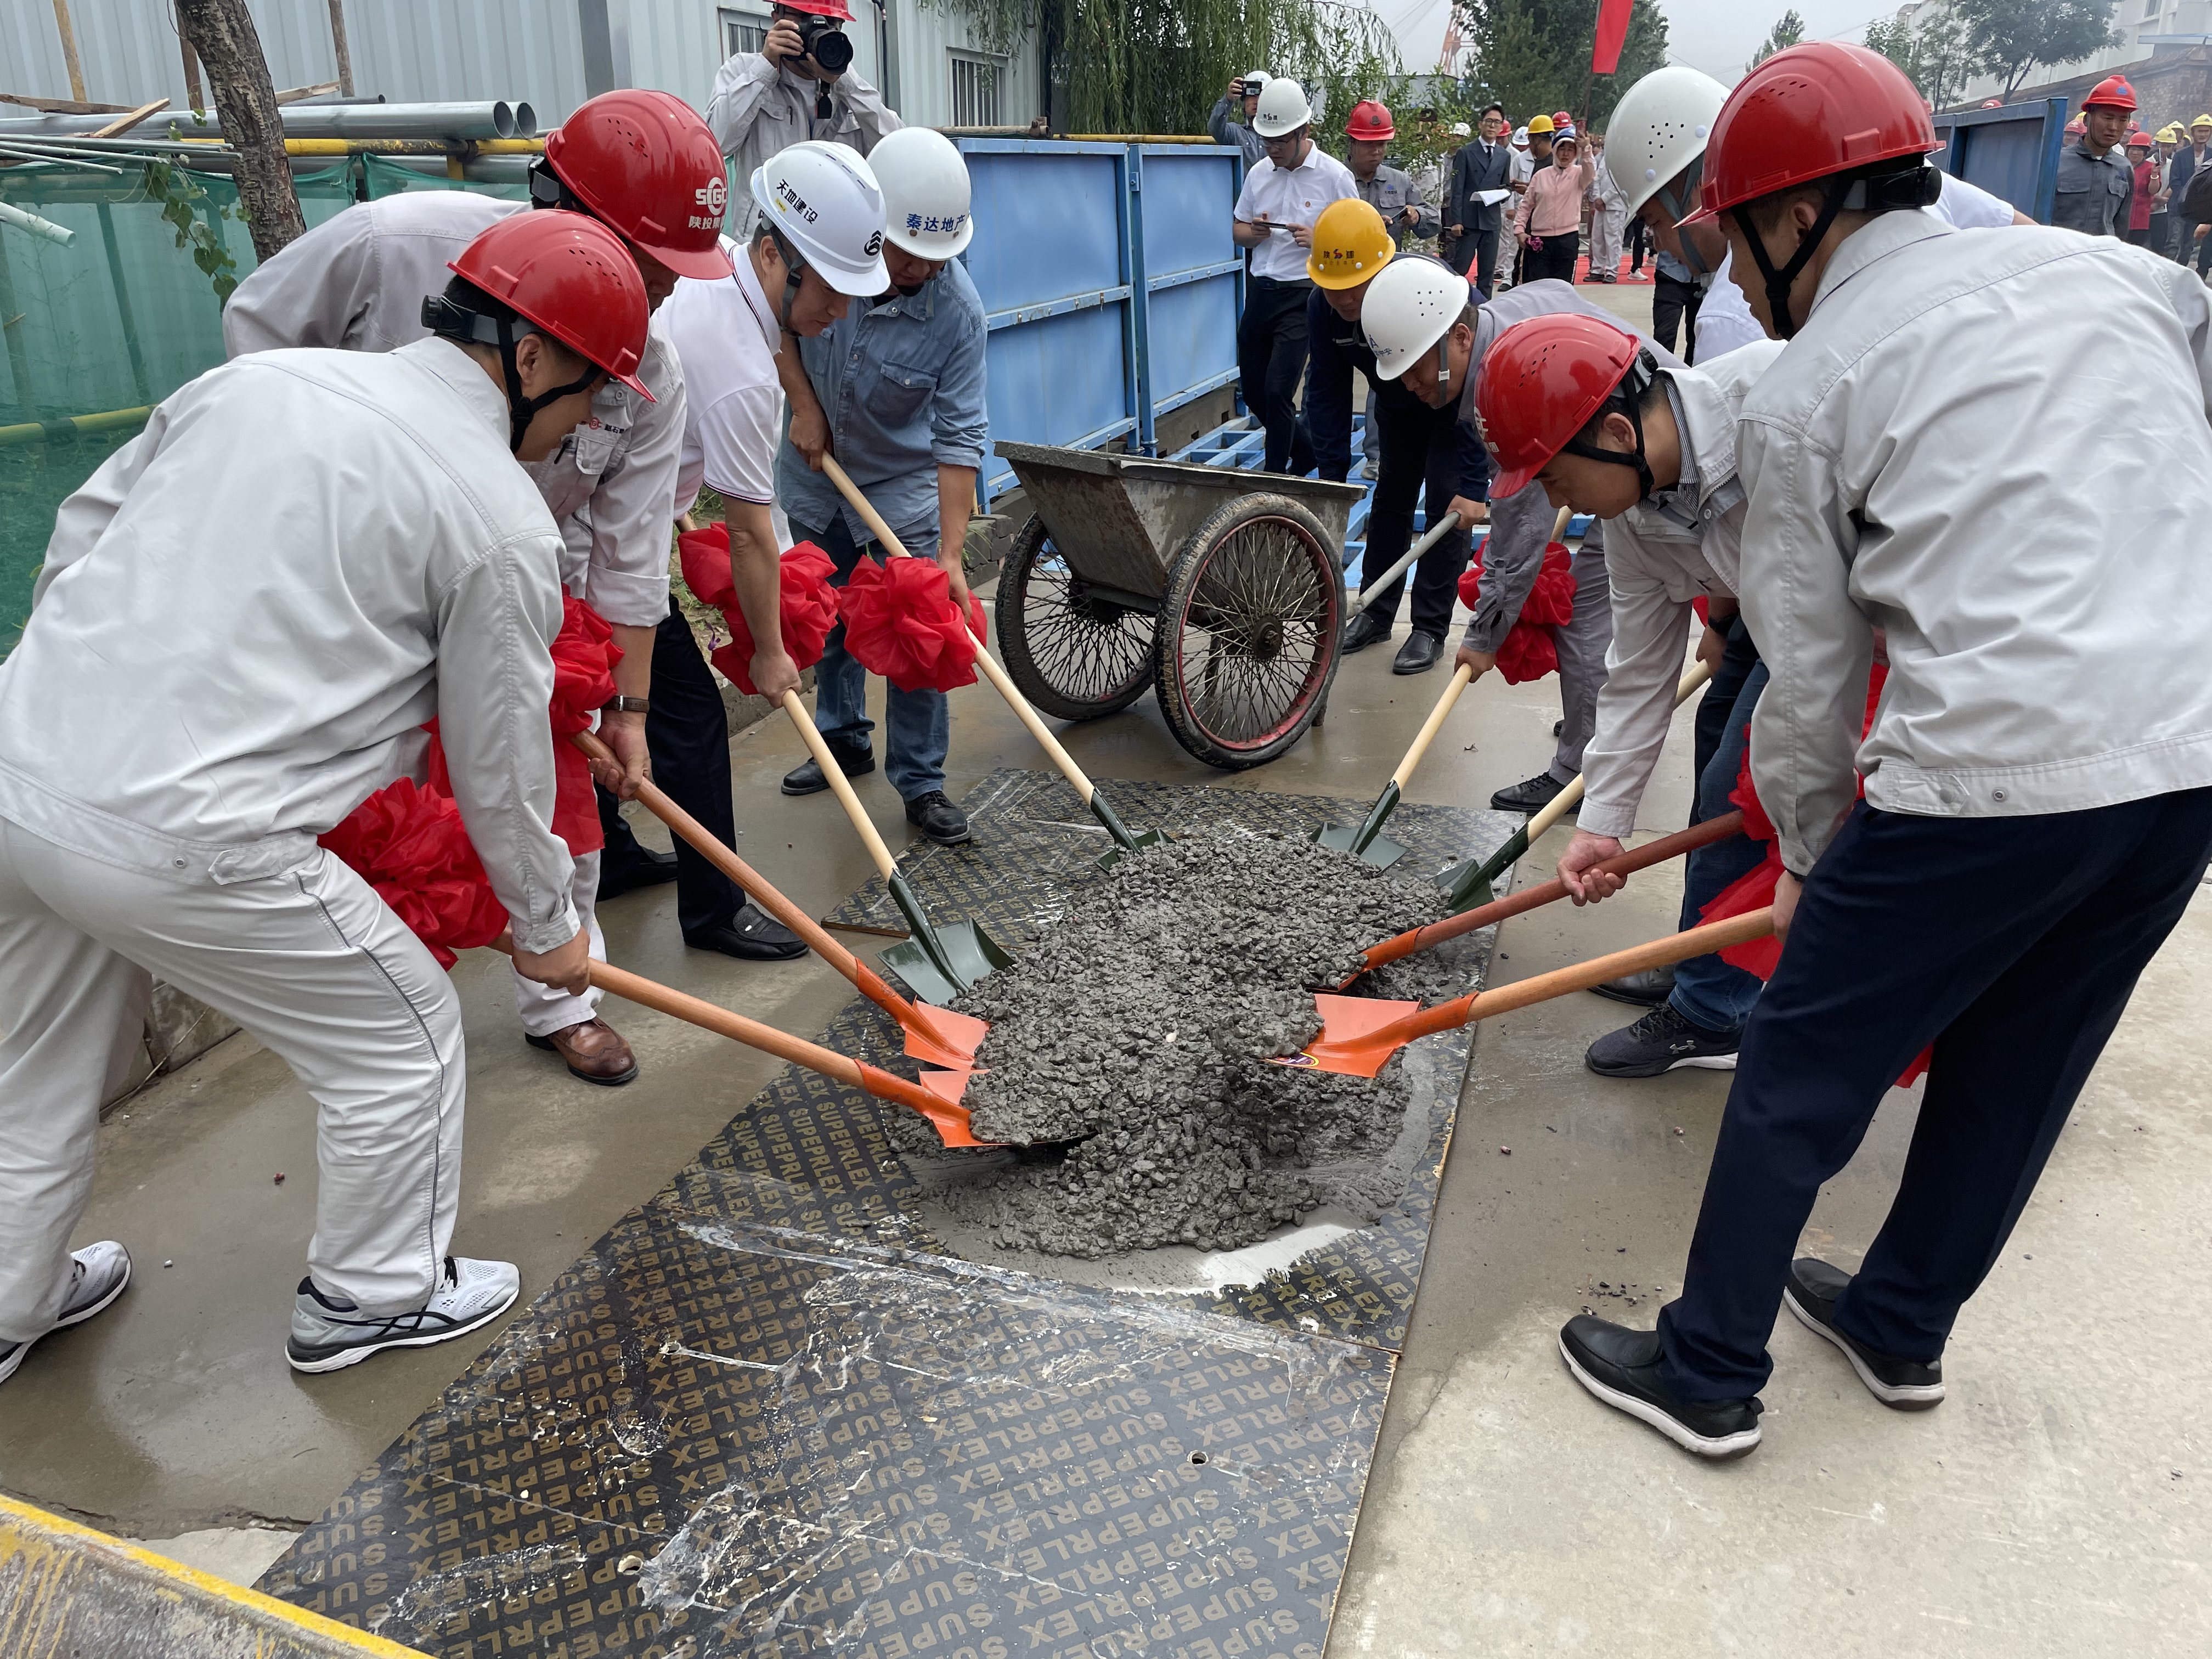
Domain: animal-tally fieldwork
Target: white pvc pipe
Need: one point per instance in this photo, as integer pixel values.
(12, 215)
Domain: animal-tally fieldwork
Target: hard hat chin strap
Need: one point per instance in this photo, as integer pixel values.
(1680, 208)
(1919, 185)
(794, 268)
(454, 321)
(1630, 390)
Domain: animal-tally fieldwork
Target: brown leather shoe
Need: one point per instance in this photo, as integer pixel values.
(594, 1051)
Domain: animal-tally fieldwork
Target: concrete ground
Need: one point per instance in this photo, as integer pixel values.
(2052, 1505)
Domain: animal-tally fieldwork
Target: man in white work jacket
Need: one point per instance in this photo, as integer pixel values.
(304, 557)
(644, 164)
(2037, 777)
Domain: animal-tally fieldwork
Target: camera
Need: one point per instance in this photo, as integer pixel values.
(825, 43)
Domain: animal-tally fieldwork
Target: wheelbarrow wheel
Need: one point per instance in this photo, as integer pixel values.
(1074, 655)
(1247, 632)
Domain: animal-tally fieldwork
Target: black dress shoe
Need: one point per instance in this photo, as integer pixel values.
(1621, 1367)
(938, 818)
(1647, 989)
(807, 779)
(752, 935)
(1418, 654)
(1362, 631)
(643, 868)
(1531, 796)
(1907, 1384)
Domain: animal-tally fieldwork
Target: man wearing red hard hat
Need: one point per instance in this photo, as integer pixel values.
(2037, 775)
(800, 84)
(643, 164)
(244, 620)
(2096, 179)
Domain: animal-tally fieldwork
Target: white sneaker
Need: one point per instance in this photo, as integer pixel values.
(329, 1334)
(98, 1273)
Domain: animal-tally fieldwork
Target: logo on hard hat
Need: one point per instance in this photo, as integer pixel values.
(874, 246)
(714, 195)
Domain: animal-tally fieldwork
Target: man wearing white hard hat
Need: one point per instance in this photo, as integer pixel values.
(893, 390)
(799, 275)
(1244, 95)
(1274, 217)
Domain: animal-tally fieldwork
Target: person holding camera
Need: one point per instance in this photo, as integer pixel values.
(1243, 91)
(800, 84)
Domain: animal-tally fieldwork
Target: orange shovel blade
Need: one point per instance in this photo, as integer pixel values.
(1347, 1043)
(951, 1119)
(940, 1036)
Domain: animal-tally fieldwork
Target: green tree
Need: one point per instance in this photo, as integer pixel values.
(2009, 38)
(1787, 32)
(1533, 56)
(1933, 50)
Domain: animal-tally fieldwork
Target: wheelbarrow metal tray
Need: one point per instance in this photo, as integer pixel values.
(1118, 519)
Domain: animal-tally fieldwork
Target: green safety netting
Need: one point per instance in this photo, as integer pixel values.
(385, 177)
(99, 328)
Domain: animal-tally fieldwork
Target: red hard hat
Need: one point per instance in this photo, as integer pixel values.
(573, 277)
(645, 163)
(2113, 91)
(1992, 103)
(836, 8)
(1562, 119)
(2076, 125)
(1370, 121)
(1808, 113)
(2140, 140)
(1541, 382)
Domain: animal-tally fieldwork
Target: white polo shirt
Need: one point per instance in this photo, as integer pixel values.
(726, 336)
(1288, 197)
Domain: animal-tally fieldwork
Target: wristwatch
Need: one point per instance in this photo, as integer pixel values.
(626, 706)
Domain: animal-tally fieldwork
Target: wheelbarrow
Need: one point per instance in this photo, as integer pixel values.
(1222, 591)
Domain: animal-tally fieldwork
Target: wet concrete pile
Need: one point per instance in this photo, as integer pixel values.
(1130, 1049)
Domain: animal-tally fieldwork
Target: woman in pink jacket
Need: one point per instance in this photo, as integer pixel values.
(1550, 215)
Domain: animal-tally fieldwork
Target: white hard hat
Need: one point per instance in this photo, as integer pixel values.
(823, 201)
(1520, 137)
(1282, 108)
(1460, 130)
(1658, 128)
(926, 192)
(1410, 305)
(1255, 80)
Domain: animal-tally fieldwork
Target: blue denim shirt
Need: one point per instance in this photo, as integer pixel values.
(902, 384)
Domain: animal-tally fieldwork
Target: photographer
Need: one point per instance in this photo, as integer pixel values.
(1243, 91)
(799, 85)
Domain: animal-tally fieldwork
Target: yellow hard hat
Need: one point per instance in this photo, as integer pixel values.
(1541, 124)
(2202, 121)
(1350, 245)
(2170, 133)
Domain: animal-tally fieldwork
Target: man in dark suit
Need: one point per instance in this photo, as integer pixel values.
(1484, 163)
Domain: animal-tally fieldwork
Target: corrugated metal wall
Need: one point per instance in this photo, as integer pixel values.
(416, 50)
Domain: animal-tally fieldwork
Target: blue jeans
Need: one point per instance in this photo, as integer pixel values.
(920, 721)
(1708, 991)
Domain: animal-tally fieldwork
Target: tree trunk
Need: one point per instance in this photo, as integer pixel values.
(246, 103)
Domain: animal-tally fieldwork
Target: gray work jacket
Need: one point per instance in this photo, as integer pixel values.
(2092, 192)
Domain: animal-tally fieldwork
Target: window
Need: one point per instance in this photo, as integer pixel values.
(743, 31)
(974, 90)
(2151, 9)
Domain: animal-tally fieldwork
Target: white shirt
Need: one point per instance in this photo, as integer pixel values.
(1288, 197)
(758, 108)
(1926, 457)
(249, 612)
(726, 336)
(1660, 556)
(1724, 319)
(358, 281)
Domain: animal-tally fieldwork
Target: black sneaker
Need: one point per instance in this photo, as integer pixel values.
(938, 818)
(807, 779)
(643, 868)
(1621, 1367)
(1363, 630)
(1531, 796)
(751, 935)
(1647, 989)
(1906, 1384)
(1662, 1040)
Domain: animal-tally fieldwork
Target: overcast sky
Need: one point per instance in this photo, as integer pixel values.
(1718, 36)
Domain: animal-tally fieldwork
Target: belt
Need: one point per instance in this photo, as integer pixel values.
(1284, 282)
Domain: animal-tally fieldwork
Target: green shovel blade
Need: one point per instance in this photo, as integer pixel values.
(1113, 855)
(940, 962)
(1382, 852)
(1467, 883)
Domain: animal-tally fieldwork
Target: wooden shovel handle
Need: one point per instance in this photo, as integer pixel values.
(1570, 797)
(1007, 689)
(840, 785)
(1462, 677)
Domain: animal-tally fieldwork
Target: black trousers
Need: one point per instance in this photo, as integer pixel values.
(687, 731)
(1674, 306)
(2013, 945)
(1556, 259)
(1639, 242)
(1270, 362)
(1420, 445)
(1484, 258)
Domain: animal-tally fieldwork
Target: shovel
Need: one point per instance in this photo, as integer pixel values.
(1100, 807)
(937, 1097)
(937, 963)
(938, 1037)
(1467, 883)
(1367, 841)
(1358, 1035)
(1429, 538)
(1627, 863)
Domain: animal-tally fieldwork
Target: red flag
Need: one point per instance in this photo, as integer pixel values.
(1612, 30)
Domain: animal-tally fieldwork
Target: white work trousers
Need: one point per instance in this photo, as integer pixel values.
(546, 1009)
(315, 966)
(1605, 228)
